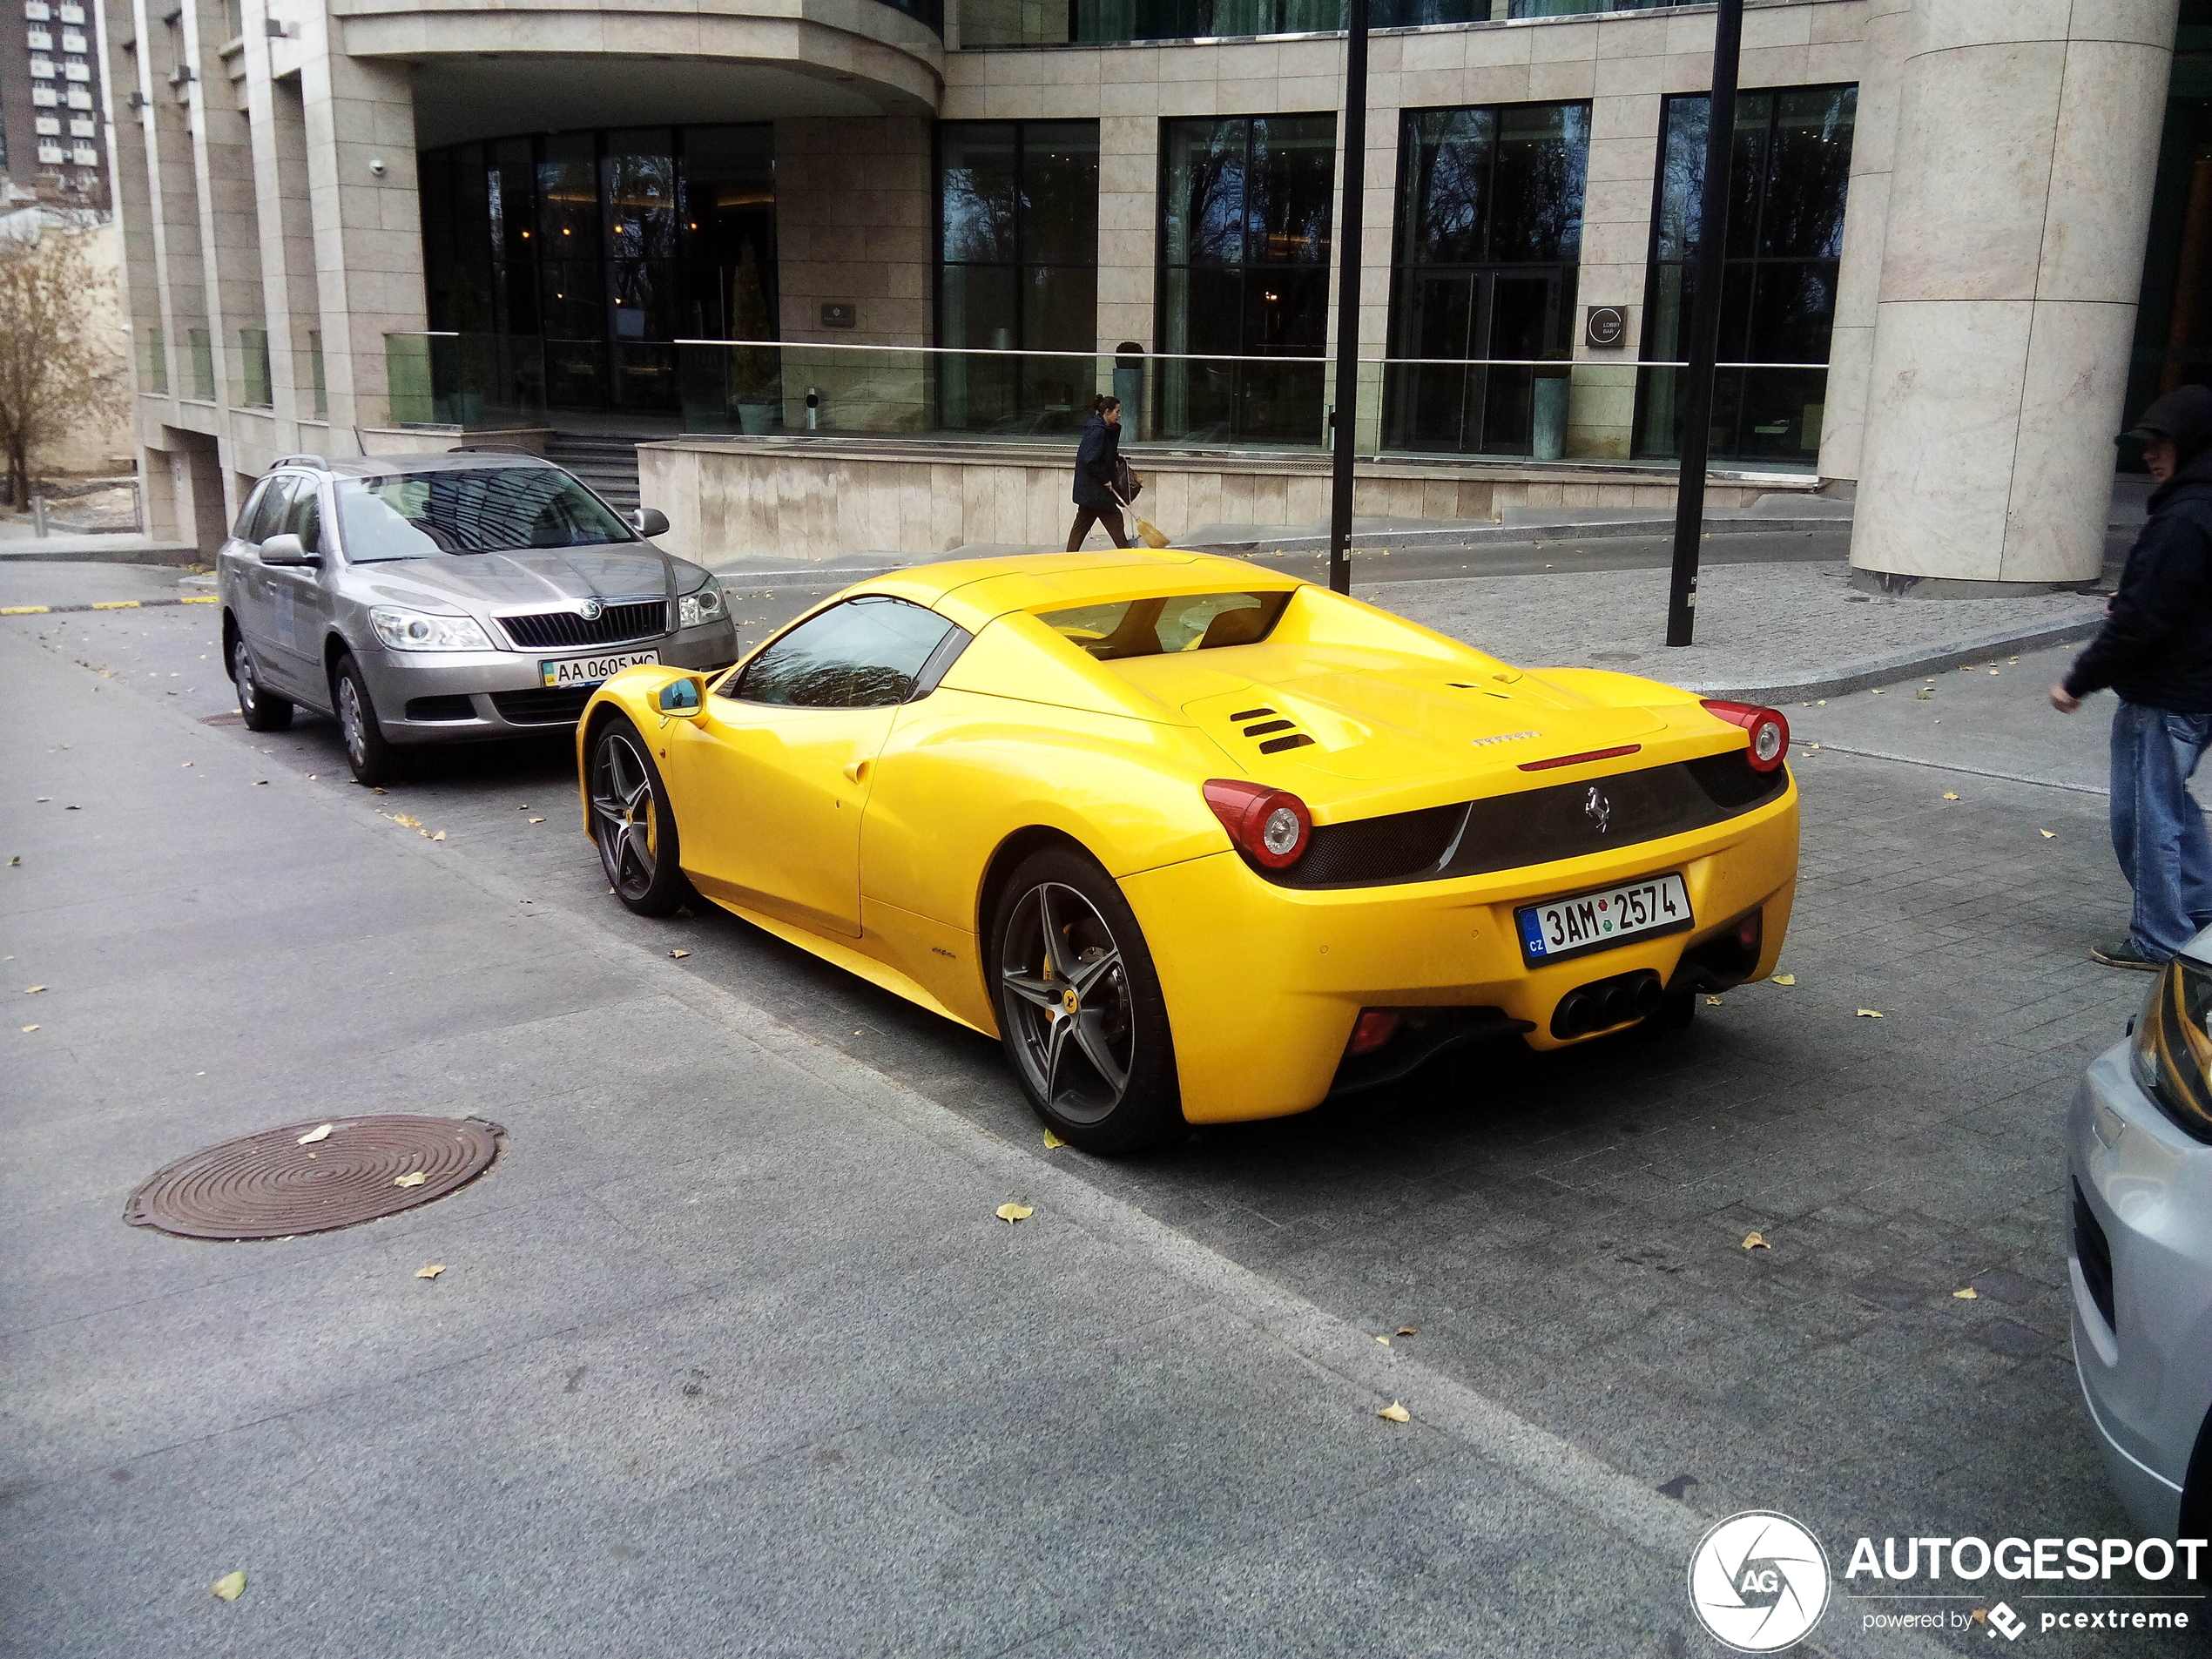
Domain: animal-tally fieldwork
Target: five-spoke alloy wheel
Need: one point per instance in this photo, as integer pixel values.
(261, 711)
(632, 823)
(1079, 1006)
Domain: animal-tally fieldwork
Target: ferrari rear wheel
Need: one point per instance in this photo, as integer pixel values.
(632, 823)
(1080, 1007)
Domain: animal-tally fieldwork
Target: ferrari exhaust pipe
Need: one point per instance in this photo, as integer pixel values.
(1574, 1015)
(1607, 1003)
(1649, 994)
(1619, 1004)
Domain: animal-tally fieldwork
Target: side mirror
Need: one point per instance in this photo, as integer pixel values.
(286, 550)
(648, 521)
(682, 699)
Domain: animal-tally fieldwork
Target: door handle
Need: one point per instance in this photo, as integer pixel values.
(855, 770)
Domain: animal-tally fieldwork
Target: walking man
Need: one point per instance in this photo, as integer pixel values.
(2155, 650)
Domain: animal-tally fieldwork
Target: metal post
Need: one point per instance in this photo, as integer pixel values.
(1704, 324)
(1355, 178)
(37, 515)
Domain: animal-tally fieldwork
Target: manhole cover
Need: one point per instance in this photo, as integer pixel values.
(271, 1186)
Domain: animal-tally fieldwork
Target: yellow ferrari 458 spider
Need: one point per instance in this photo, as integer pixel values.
(1198, 842)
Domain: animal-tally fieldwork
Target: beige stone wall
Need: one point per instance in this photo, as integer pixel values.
(822, 500)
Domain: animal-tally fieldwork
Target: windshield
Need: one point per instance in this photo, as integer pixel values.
(1186, 622)
(478, 509)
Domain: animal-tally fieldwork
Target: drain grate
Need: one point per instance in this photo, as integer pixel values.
(270, 1186)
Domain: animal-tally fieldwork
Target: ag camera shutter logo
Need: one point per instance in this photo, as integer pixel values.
(1758, 1581)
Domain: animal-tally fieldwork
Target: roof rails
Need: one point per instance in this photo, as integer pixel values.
(301, 461)
(493, 449)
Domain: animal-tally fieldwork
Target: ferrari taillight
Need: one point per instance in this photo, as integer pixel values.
(1270, 825)
(1769, 732)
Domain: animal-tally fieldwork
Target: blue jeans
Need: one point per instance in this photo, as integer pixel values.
(2158, 830)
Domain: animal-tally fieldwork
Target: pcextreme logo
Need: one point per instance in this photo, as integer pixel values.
(1758, 1581)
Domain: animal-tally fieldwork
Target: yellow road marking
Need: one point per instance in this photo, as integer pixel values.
(201, 599)
(25, 611)
(115, 605)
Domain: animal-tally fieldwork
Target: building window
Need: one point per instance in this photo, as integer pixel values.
(47, 127)
(37, 11)
(1022, 23)
(42, 68)
(72, 41)
(1245, 206)
(39, 40)
(1017, 271)
(1788, 171)
(605, 246)
(1489, 238)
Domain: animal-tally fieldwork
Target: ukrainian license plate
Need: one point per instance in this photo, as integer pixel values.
(1602, 919)
(573, 674)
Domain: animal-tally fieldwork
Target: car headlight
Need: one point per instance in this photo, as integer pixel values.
(2172, 1055)
(705, 605)
(419, 630)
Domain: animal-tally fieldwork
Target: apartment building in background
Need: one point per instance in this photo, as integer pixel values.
(53, 141)
(850, 271)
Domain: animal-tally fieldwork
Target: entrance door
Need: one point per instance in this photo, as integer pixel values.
(1483, 314)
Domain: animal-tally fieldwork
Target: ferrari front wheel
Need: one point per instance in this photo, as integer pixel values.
(632, 823)
(1080, 1007)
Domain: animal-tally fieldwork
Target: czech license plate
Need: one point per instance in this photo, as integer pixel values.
(574, 673)
(1602, 919)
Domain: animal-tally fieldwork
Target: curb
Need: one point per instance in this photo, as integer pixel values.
(175, 554)
(106, 604)
(1887, 670)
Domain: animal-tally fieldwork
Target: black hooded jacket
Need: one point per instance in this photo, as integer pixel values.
(2156, 647)
(1096, 458)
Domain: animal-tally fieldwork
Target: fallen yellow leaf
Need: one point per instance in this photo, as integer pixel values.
(1869, 1014)
(431, 1272)
(2048, 835)
(1712, 1001)
(1395, 1412)
(537, 820)
(1949, 795)
(229, 1587)
(1810, 747)
(314, 1135)
(1756, 1241)
(405, 822)
(1407, 1331)
(1970, 1294)
(30, 1028)
(679, 956)
(1052, 1140)
(1786, 979)
(1384, 1340)
(415, 1180)
(439, 836)
(1924, 695)
(1010, 1213)
(32, 990)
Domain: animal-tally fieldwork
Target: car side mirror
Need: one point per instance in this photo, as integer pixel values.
(682, 699)
(286, 550)
(648, 521)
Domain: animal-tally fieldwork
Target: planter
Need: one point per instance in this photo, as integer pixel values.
(1548, 439)
(755, 419)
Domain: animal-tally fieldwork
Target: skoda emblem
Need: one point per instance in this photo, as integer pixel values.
(1599, 809)
(593, 609)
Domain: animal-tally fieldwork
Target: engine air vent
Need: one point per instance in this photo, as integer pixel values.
(1276, 745)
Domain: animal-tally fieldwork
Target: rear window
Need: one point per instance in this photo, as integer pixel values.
(1154, 627)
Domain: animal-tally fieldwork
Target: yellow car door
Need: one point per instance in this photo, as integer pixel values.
(775, 775)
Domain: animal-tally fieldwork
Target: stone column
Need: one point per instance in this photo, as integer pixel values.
(2027, 137)
(1129, 207)
(1866, 220)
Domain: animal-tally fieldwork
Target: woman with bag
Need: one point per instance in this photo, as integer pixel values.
(1099, 469)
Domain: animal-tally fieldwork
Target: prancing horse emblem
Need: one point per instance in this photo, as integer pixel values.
(1599, 808)
(593, 610)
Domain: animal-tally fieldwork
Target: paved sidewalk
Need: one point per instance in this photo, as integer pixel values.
(730, 1353)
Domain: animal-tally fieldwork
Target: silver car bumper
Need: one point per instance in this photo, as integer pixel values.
(2141, 1238)
(420, 696)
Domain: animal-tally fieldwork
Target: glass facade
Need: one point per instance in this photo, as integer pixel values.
(2174, 320)
(1245, 206)
(1045, 23)
(1017, 271)
(1489, 236)
(607, 246)
(1787, 178)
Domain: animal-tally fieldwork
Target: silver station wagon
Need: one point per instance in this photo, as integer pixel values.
(448, 598)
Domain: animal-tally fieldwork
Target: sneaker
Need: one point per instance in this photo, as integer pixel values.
(2122, 953)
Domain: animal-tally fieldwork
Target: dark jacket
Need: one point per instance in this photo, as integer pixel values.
(2156, 647)
(1095, 462)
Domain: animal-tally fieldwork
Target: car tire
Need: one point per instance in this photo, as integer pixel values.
(632, 824)
(375, 759)
(261, 710)
(1100, 1074)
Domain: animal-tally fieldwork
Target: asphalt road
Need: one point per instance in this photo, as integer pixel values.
(1564, 1234)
